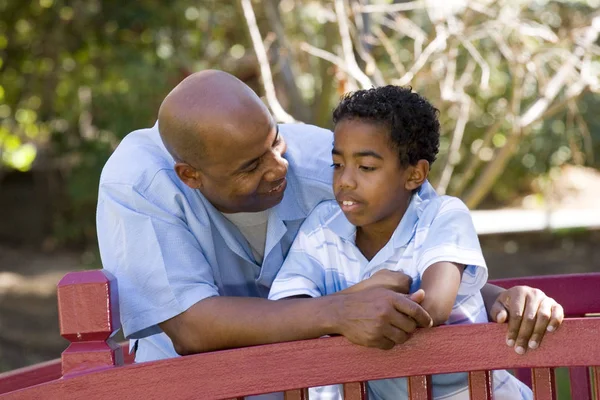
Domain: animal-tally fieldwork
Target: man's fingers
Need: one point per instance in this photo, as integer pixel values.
(403, 322)
(543, 317)
(527, 324)
(398, 336)
(409, 307)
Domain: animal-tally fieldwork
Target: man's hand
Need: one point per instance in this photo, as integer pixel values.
(381, 318)
(397, 281)
(530, 314)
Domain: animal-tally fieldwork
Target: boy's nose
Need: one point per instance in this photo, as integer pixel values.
(346, 180)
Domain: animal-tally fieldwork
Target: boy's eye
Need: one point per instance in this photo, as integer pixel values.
(367, 169)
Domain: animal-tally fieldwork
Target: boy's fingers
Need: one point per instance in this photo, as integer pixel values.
(528, 322)
(498, 313)
(556, 318)
(543, 317)
(417, 296)
(516, 308)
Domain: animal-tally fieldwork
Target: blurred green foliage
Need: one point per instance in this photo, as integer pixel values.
(78, 75)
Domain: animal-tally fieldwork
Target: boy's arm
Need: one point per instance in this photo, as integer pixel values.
(440, 282)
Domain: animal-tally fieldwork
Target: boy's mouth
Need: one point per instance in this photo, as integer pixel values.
(348, 204)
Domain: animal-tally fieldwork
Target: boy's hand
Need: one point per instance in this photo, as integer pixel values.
(530, 314)
(386, 279)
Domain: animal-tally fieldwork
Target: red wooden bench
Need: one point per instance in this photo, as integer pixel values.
(92, 366)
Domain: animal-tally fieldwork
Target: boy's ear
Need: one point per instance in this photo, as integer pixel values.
(188, 175)
(418, 173)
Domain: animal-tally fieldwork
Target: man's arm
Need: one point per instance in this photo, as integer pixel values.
(530, 314)
(376, 318)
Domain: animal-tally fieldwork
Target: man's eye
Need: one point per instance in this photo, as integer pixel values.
(336, 165)
(251, 168)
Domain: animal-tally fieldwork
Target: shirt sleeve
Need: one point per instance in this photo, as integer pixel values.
(452, 237)
(303, 271)
(160, 268)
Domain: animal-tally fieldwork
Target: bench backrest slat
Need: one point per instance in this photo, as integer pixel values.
(543, 384)
(581, 388)
(480, 385)
(419, 387)
(355, 391)
(234, 373)
(254, 370)
(296, 394)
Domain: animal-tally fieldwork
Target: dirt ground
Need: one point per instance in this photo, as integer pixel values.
(28, 316)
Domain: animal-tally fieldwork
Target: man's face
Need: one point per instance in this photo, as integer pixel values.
(246, 171)
(368, 179)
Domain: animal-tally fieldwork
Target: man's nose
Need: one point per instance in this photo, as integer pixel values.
(278, 167)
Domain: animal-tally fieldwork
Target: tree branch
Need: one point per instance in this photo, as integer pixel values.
(265, 70)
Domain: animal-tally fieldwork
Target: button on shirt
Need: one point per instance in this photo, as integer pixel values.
(324, 259)
(169, 247)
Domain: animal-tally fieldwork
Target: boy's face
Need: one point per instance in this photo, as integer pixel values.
(369, 183)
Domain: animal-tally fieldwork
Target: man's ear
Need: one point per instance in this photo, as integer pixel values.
(417, 175)
(188, 175)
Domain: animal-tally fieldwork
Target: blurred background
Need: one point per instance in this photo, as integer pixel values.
(517, 84)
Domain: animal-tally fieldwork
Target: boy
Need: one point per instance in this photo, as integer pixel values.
(387, 216)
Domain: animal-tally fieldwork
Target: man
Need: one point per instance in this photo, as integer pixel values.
(196, 215)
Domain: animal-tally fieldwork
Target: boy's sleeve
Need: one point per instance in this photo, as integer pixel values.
(303, 271)
(160, 268)
(452, 237)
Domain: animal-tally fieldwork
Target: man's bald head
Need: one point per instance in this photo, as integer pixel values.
(205, 107)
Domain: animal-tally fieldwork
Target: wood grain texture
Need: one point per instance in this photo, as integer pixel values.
(543, 384)
(254, 370)
(480, 385)
(577, 293)
(419, 387)
(581, 388)
(355, 391)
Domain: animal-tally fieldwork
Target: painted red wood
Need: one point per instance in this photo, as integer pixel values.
(577, 293)
(596, 378)
(43, 372)
(234, 373)
(419, 387)
(480, 385)
(543, 384)
(297, 394)
(581, 388)
(29, 376)
(355, 391)
(88, 317)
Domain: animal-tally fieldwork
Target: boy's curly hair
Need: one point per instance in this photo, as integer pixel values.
(412, 121)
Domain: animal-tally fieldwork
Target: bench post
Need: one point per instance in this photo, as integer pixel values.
(89, 317)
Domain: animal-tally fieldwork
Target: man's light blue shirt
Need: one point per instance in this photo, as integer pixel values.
(169, 247)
